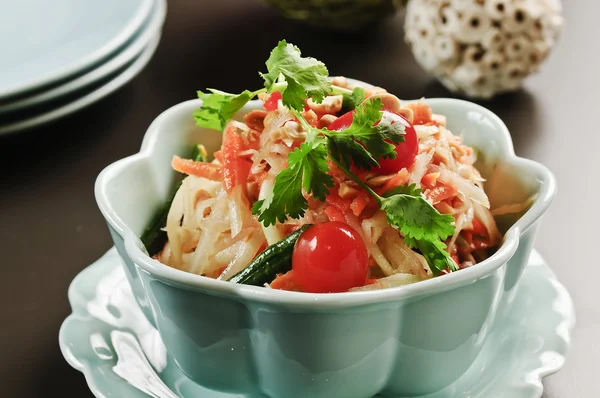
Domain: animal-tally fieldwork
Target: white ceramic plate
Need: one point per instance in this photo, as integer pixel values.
(43, 41)
(121, 355)
(89, 98)
(133, 49)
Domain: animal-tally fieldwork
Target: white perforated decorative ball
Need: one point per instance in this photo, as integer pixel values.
(482, 47)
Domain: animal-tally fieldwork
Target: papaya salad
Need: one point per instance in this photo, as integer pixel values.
(327, 187)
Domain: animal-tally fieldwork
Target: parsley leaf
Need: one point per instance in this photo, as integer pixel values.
(351, 101)
(435, 253)
(411, 214)
(219, 107)
(305, 77)
(307, 169)
(363, 143)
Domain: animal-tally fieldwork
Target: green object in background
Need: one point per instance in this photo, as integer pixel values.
(343, 15)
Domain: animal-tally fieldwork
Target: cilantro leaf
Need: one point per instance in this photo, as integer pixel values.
(407, 189)
(351, 101)
(348, 151)
(411, 214)
(305, 77)
(435, 253)
(363, 143)
(219, 107)
(307, 169)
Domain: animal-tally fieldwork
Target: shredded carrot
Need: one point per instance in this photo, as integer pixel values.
(334, 214)
(333, 199)
(421, 112)
(456, 202)
(429, 180)
(478, 228)
(474, 242)
(220, 270)
(198, 169)
(440, 193)
(401, 178)
(235, 169)
(284, 281)
(312, 202)
(359, 203)
(445, 207)
(259, 178)
(219, 156)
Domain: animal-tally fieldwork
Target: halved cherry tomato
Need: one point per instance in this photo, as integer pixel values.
(405, 151)
(271, 103)
(330, 257)
(342, 122)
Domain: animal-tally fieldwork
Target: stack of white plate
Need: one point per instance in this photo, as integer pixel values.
(59, 56)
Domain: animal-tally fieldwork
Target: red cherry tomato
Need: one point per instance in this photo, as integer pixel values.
(330, 257)
(405, 151)
(342, 122)
(271, 103)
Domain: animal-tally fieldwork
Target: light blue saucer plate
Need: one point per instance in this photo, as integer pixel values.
(44, 41)
(121, 355)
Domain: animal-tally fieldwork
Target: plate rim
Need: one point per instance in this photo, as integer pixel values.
(91, 97)
(132, 50)
(105, 50)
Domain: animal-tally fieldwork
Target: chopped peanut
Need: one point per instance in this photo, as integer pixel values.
(390, 102)
(326, 120)
(347, 191)
(330, 105)
(407, 113)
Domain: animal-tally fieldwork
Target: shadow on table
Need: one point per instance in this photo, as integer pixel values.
(32, 153)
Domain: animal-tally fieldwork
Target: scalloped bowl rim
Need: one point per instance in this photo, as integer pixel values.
(507, 249)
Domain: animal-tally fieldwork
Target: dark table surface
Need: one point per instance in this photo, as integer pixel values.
(51, 229)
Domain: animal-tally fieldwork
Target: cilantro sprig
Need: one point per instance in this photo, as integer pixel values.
(411, 214)
(296, 77)
(424, 228)
(363, 143)
(351, 100)
(307, 170)
(303, 77)
(219, 107)
(372, 136)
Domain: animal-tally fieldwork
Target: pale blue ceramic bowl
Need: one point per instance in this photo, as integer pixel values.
(403, 341)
